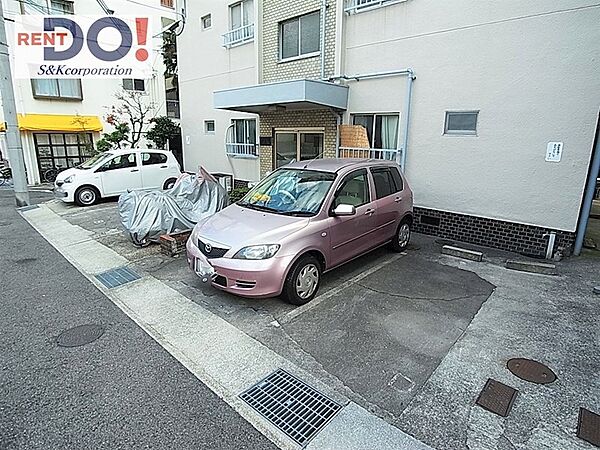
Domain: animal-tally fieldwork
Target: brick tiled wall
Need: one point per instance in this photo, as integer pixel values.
(276, 11)
(296, 119)
(515, 237)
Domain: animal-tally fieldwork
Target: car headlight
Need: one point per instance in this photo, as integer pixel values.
(257, 252)
(69, 179)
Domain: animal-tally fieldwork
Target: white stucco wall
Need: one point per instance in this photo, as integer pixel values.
(530, 68)
(204, 67)
(98, 94)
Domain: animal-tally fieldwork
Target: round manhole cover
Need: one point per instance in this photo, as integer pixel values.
(81, 335)
(530, 370)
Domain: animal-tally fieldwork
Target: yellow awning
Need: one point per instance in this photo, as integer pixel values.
(59, 122)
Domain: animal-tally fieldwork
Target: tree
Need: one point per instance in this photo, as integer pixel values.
(169, 54)
(132, 111)
(162, 130)
(113, 139)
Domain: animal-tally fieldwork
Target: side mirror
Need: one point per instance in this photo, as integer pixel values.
(344, 210)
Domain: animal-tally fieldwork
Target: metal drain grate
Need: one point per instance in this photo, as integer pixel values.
(117, 277)
(81, 335)
(497, 397)
(588, 426)
(296, 408)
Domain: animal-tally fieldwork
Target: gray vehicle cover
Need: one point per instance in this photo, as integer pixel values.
(148, 215)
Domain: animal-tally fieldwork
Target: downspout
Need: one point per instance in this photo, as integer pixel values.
(323, 12)
(588, 197)
(337, 135)
(410, 74)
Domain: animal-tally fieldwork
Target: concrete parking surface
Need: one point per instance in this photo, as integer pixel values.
(413, 337)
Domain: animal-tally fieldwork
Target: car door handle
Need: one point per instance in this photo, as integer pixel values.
(164, 167)
(398, 199)
(369, 212)
(135, 170)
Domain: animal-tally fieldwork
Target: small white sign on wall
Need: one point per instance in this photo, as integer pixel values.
(554, 151)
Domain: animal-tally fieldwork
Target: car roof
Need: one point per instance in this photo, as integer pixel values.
(120, 151)
(337, 164)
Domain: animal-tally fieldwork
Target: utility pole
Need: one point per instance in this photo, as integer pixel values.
(13, 137)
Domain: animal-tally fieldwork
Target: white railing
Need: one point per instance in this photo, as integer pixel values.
(240, 150)
(370, 153)
(353, 6)
(238, 36)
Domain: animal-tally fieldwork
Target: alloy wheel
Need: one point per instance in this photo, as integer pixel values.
(403, 235)
(307, 281)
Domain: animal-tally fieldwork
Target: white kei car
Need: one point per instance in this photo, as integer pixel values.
(114, 172)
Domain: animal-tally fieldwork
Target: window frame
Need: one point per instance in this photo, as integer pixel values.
(300, 55)
(448, 132)
(214, 127)
(82, 146)
(133, 82)
(203, 18)
(135, 163)
(243, 6)
(347, 178)
(59, 96)
(393, 185)
(374, 122)
(149, 152)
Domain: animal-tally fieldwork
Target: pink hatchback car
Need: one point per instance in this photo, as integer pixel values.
(300, 221)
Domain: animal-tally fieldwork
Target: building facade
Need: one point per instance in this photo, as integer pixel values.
(491, 111)
(61, 120)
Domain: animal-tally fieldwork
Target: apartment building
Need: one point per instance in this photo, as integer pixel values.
(491, 110)
(60, 120)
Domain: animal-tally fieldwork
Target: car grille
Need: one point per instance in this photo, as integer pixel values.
(220, 280)
(245, 284)
(209, 251)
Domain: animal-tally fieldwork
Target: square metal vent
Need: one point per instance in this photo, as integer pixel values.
(497, 397)
(296, 408)
(117, 277)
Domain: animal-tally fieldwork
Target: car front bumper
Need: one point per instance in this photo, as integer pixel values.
(64, 192)
(247, 278)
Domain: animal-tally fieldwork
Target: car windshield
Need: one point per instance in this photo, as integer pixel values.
(88, 164)
(294, 192)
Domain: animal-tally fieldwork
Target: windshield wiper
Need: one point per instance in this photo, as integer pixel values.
(258, 207)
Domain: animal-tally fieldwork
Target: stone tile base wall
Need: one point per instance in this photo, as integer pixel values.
(296, 119)
(515, 237)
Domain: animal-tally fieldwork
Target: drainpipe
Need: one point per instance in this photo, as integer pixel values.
(323, 12)
(588, 196)
(337, 135)
(410, 74)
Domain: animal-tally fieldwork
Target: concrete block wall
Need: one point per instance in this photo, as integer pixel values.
(296, 119)
(276, 11)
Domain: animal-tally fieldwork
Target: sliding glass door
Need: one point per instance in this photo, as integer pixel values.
(297, 145)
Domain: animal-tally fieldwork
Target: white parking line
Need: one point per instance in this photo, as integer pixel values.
(321, 298)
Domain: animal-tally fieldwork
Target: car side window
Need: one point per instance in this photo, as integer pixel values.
(149, 159)
(384, 182)
(397, 179)
(354, 190)
(120, 162)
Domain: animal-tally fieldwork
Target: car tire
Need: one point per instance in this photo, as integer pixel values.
(169, 184)
(86, 196)
(302, 281)
(402, 236)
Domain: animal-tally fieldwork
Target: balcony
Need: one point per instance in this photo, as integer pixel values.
(241, 150)
(167, 3)
(173, 109)
(238, 36)
(355, 6)
(370, 153)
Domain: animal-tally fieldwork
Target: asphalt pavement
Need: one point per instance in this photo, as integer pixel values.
(120, 391)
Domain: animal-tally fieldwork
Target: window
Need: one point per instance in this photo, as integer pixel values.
(299, 36)
(58, 7)
(354, 190)
(167, 3)
(382, 129)
(69, 89)
(297, 145)
(385, 183)
(209, 127)
(120, 162)
(149, 159)
(397, 179)
(241, 14)
(354, 6)
(62, 150)
(244, 131)
(134, 84)
(206, 22)
(461, 122)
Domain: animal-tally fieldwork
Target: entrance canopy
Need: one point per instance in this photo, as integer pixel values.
(284, 95)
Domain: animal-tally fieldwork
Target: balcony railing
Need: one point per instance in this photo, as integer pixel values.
(370, 153)
(241, 150)
(239, 36)
(173, 109)
(354, 6)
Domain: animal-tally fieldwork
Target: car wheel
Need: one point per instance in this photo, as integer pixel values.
(402, 237)
(302, 282)
(169, 183)
(86, 196)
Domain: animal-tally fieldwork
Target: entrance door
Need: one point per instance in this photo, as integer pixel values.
(298, 144)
